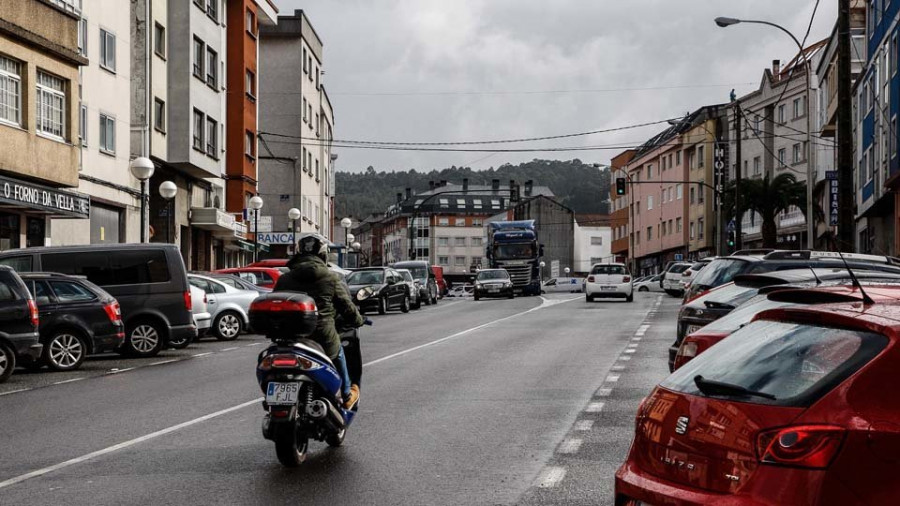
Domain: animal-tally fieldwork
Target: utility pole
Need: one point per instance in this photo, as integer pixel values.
(845, 165)
(738, 167)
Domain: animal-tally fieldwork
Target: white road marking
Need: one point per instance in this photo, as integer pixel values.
(550, 477)
(161, 362)
(198, 355)
(594, 407)
(252, 344)
(117, 371)
(636, 339)
(618, 368)
(14, 391)
(570, 446)
(68, 381)
(630, 350)
(229, 349)
(612, 378)
(123, 445)
(604, 392)
(584, 425)
(625, 358)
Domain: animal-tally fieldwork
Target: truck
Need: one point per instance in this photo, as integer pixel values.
(513, 245)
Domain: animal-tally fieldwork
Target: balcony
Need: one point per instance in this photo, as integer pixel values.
(216, 221)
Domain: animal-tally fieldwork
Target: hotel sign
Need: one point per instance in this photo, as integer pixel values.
(43, 198)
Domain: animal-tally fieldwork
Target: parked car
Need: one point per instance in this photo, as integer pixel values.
(415, 289)
(427, 277)
(77, 319)
(493, 283)
(439, 279)
(649, 284)
(228, 306)
(465, 290)
(794, 408)
(265, 277)
(270, 262)
(19, 338)
(724, 269)
(687, 277)
(671, 279)
(148, 280)
(563, 285)
(235, 281)
(609, 280)
(378, 288)
(200, 310)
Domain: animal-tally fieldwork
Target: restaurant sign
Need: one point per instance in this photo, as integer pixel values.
(43, 198)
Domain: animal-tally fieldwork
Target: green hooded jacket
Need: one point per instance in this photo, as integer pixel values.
(310, 275)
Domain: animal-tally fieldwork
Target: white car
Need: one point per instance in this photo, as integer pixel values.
(671, 279)
(687, 277)
(609, 280)
(466, 290)
(200, 310)
(648, 284)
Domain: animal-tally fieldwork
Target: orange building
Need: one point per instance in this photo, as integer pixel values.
(618, 209)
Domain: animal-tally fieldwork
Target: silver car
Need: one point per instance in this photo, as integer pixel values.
(228, 306)
(415, 288)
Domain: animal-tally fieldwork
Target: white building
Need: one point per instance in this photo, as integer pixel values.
(593, 244)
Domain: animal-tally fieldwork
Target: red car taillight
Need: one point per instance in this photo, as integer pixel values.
(590, 279)
(188, 303)
(626, 279)
(273, 305)
(113, 311)
(809, 446)
(33, 313)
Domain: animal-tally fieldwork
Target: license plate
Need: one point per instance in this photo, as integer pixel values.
(607, 288)
(493, 290)
(692, 328)
(280, 394)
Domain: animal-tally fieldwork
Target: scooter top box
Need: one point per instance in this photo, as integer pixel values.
(284, 315)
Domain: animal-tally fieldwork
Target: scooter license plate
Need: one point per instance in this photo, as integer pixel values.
(280, 394)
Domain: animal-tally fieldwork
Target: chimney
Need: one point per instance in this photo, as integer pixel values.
(399, 198)
(431, 185)
(776, 67)
(495, 185)
(409, 193)
(465, 184)
(529, 186)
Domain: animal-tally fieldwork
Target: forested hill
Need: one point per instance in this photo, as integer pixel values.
(581, 187)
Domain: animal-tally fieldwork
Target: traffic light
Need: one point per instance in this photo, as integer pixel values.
(731, 239)
(620, 186)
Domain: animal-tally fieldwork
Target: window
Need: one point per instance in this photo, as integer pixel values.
(459, 260)
(212, 10)
(250, 23)
(82, 36)
(212, 67)
(692, 230)
(459, 241)
(701, 192)
(782, 153)
(795, 158)
(649, 233)
(693, 197)
(476, 203)
(317, 170)
(250, 83)
(67, 291)
(894, 55)
(309, 56)
(460, 222)
(757, 166)
(678, 225)
(700, 157)
(107, 50)
(212, 137)
(51, 105)
(495, 203)
(649, 172)
(679, 191)
(159, 40)
(82, 124)
(678, 157)
(444, 260)
(444, 202)
(159, 115)
(781, 113)
(596, 240)
(700, 228)
(198, 57)
(649, 202)
(249, 144)
(199, 125)
(303, 159)
(107, 134)
(477, 222)
(443, 241)
(476, 242)
(745, 168)
(124, 268)
(444, 222)
(305, 68)
(798, 111)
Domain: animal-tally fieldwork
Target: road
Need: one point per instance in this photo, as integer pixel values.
(524, 401)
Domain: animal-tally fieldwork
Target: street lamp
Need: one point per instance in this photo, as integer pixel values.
(542, 264)
(294, 215)
(256, 203)
(567, 270)
(810, 176)
(346, 223)
(168, 190)
(142, 169)
(350, 239)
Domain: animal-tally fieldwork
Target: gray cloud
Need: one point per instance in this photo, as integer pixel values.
(380, 55)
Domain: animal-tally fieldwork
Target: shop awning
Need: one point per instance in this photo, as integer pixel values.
(248, 246)
(23, 195)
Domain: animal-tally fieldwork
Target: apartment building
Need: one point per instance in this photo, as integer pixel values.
(39, 121)
(705, 152)
(619, 206)
(592, 241)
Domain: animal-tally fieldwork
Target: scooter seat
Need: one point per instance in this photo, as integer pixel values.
(309, 343)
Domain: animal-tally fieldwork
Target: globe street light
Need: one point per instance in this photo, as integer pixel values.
(346, 223)
(294, 215)
(168, 190)
(566, 270)
(142, 169)
(256, 203)
(350, 238)
(542, 264)
(356, 246)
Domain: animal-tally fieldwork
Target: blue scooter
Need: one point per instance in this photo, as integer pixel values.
(302, 386)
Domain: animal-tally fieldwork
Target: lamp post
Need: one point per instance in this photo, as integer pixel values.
(810, 174)
(542, 264)
(294, 215)
(142, 169)
(346, 223)
(256, 203)
(168, 190)
(567, 271)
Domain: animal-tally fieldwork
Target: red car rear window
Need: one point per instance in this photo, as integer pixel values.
(795, 363)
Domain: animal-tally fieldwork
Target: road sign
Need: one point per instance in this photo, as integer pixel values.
(730, 227)
(831, 174)
(265, 224)
(679, 257)
(554, 269)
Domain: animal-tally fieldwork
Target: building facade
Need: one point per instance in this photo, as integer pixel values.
(620, 206)
(592, 241)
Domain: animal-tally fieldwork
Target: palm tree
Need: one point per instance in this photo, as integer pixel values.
(768, 198)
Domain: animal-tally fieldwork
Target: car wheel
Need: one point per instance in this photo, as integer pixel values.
(643, 289)
(228, 326)
(405, 305)
(382, 306)
(7, 362)
(65, 351)
(630, 297)
(180, 344)
(589, 298)
(143, 339)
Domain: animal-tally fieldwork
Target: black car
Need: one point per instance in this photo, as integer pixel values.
(378, 288)
(19, 338)
(78, 318)
(493, 283)
(423, 273)
(149, 281)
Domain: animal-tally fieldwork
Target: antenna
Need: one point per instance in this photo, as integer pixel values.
(866, 299)
(818, 281)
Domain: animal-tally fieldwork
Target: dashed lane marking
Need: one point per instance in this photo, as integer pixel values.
(624, 358)
(68, 381)
(630, 350)
(604, 392)
(594, 407)
(612, 378)
(117, 371)
(617, 368)
(198, 355)
(161, 362)
(14, 391)
(570, 446)
(230, 349)
(584, 425)
(252, 344)
(550, 477)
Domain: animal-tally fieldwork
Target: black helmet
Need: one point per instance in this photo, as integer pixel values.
(313, 244)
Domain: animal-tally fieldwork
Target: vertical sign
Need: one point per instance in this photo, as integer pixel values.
(831, 175)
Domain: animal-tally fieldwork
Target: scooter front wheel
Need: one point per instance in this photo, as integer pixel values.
(290, 445)
(335, 440)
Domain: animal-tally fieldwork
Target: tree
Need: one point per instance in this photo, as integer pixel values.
(768, 198)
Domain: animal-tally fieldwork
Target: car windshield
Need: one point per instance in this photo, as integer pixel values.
(418, 272)
(742, 315)
(608, 269)
(795, 363)
(488, 275)
(720, 271)
(407, 276)
(366, 278)
(514, 251)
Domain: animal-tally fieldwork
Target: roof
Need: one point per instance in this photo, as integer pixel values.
(451, 199)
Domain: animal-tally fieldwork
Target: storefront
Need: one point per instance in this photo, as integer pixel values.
(26, 209)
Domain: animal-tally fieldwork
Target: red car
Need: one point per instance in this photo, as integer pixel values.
(270, 262)
(265, 277)
(798, 408)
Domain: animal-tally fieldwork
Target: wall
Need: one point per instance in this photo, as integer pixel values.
(587, 253)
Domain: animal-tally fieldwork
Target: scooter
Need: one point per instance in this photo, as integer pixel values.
(302, 386)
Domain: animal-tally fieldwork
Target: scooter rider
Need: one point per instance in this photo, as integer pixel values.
(310, 274)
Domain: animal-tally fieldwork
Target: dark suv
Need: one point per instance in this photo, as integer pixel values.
(18, 323)
(78, 318)
(148, 280)
(423, 273)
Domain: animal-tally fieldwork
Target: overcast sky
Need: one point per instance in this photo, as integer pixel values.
(467, 70)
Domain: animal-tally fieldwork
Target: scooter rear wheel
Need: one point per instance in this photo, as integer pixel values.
(290, 445)
(335, 440)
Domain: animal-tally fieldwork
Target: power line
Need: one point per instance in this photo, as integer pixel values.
(515, 92)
